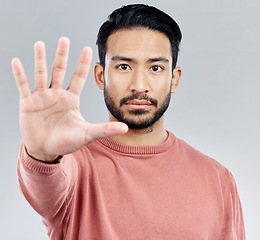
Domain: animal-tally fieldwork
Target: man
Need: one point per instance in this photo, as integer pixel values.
(129, 178)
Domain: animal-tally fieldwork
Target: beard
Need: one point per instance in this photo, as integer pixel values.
(143, 121)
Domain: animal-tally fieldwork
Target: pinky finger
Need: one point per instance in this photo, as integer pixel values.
(21, 78)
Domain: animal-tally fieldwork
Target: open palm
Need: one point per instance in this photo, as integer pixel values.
(50, 119)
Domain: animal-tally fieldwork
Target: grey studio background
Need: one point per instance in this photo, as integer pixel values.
(215, 109)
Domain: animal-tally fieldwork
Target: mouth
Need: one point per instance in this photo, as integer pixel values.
(138, 104)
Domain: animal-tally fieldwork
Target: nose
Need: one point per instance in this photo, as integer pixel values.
(140, 83)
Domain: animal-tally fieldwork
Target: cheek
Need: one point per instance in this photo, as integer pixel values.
(161, 89)
(116, 84)
(111, 78)
(112, 94)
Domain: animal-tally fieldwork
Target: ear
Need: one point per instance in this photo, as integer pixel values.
(176, 78)
(99, 75)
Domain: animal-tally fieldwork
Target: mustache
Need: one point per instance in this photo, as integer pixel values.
(138, 97)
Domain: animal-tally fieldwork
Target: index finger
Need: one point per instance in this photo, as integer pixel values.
(21, 78)
(81, 72)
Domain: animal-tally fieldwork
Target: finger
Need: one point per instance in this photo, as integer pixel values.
(41, 71)
(21, 78)
(60, 63)
(96, 131)
(81, 72)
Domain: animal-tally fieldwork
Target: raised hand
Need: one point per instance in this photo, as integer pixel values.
(50, 119)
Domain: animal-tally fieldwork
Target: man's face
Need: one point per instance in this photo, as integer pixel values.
(138, 76)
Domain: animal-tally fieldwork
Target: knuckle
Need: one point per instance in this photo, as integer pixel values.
(19, 75)
(22, 82)
(40, 57)
(61, 54)
(40, 73)
(58, 69)
(79, 74)
(84, 62)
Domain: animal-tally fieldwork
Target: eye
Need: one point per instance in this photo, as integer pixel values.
(123, 67)
(156, 68)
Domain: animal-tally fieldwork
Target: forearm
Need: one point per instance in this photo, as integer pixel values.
(233, 224)
(47, 187)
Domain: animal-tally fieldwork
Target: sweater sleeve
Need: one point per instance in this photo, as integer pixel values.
(48, 187)
(233, 224)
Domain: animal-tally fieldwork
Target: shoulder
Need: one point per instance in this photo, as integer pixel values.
(203, 167)
(195, 159)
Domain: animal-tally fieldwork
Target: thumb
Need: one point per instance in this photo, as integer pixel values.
(96, 131)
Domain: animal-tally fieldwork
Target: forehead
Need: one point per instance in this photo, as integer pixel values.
(138, 43)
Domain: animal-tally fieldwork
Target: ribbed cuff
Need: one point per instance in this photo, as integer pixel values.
(35, 165)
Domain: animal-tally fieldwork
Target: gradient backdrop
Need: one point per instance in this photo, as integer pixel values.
(216, 108)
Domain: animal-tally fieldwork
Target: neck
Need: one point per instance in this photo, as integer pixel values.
(154, 135)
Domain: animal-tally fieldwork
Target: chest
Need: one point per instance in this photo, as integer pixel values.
(153, 199)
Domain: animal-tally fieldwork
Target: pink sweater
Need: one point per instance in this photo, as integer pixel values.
(110, 191)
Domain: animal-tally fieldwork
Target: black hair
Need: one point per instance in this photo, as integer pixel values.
(139, 15)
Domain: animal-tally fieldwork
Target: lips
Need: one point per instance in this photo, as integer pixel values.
(138, 102)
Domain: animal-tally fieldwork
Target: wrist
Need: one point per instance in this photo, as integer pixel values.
(42, 157)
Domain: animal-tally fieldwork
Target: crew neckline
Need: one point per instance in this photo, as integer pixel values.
(129, 149)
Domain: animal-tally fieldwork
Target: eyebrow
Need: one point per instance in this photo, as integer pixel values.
(122, 58)
(127, 59)
(159, 59)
